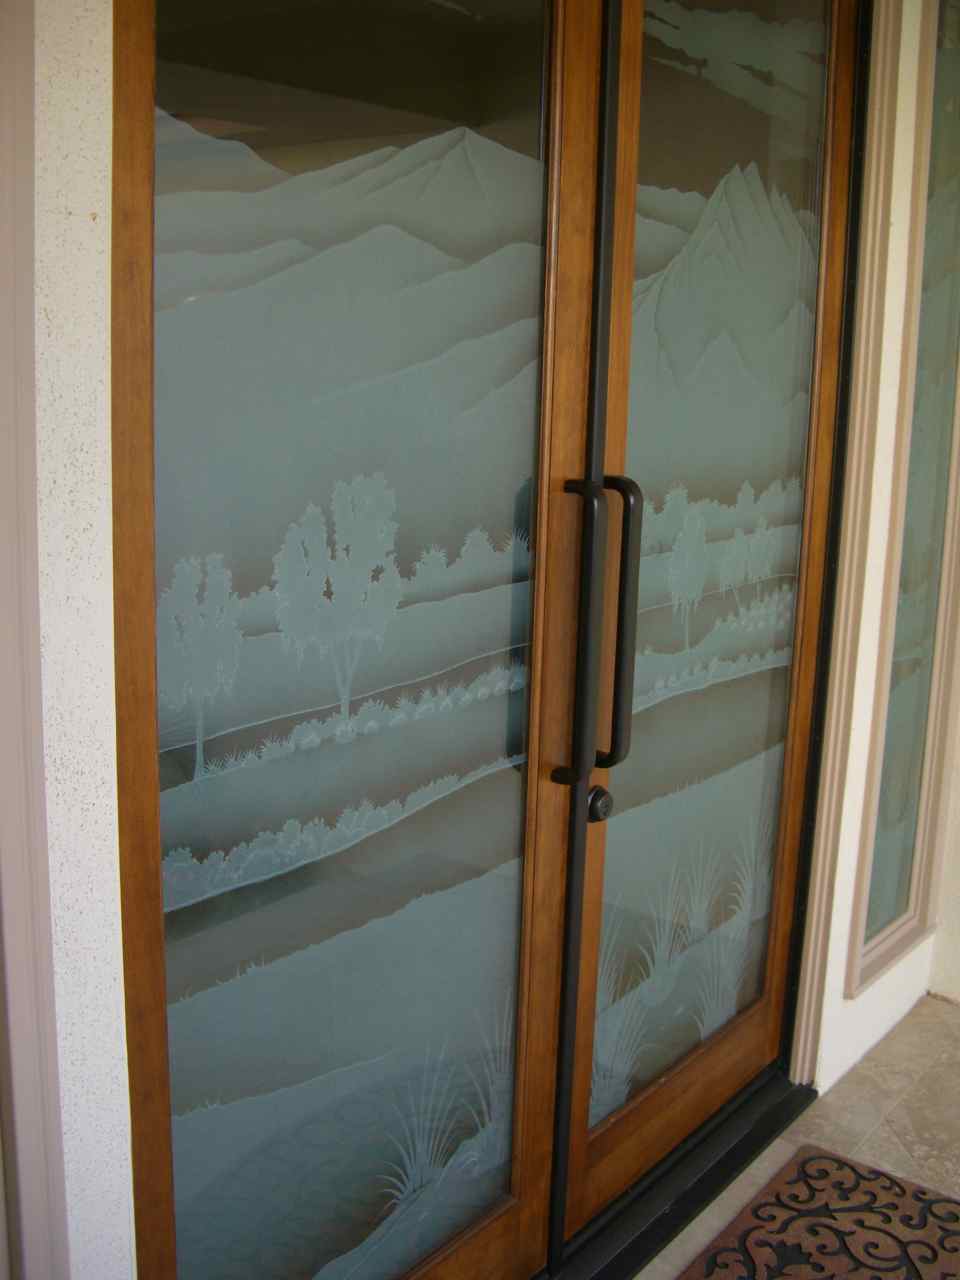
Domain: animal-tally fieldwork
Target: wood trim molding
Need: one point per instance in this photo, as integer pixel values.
(29, 1079)
(870, 326)
(138, 784)
(867, 961)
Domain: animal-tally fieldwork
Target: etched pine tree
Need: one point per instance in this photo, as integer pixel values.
(198, 640)
(687, 569)
(339, 597)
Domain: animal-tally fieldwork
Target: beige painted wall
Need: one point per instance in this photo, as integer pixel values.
(4, 1237)
(31, 1184)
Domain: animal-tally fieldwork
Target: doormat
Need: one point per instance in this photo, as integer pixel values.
(823, 1215)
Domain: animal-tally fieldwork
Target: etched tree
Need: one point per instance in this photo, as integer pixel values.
(687, 569)
(746, 501)
(733, 564)
(198, 640)
(762, 554)
(430, 572)
(517, 552)
(478, 561)
(339, 598)
(670, 519)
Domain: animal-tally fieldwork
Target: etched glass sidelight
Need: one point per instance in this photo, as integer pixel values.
(721, 362)
(349, 261)
(931, 443)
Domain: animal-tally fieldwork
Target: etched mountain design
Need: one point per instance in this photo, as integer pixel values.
(385, 310)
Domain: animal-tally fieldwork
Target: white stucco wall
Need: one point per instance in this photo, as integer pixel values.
(73, 123)
(946, 958)
(73, 76)
(946, 967)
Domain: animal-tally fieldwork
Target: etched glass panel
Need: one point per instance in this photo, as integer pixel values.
(723, 324)
(349, 266)
(930, 449)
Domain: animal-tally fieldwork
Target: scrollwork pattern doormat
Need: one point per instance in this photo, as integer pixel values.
(824, 1215)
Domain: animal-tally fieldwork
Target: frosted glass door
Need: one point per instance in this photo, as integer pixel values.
(348, 284)
(724, 299)
(931, 445)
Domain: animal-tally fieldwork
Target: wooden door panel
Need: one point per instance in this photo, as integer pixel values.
(671, 1096)
(510, 1239)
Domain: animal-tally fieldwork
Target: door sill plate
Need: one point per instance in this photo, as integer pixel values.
(643, 1221)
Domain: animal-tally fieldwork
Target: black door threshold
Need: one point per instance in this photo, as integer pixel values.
(648, 1216)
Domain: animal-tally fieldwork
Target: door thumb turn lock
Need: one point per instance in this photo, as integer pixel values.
(599, 804)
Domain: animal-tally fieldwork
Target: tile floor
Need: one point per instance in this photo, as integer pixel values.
(898, 1108)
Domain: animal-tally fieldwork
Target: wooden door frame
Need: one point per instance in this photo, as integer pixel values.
(517, 1230)
(603, 1161)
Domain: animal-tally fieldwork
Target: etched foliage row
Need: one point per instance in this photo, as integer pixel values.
(336, 588)
(334, 593)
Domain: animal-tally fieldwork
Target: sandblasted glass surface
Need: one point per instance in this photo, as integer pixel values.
(349, 263)
(723, 324)
(931, 442)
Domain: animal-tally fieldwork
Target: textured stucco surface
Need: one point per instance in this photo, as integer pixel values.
(73, 118)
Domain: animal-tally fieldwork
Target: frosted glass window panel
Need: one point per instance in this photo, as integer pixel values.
(724, 300)
(931, 443)
(349, 274)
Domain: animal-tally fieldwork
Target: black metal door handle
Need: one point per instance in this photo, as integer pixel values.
(624, 662)
(593, 542)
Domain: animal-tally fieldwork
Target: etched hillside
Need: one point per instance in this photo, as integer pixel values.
(188, 158)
